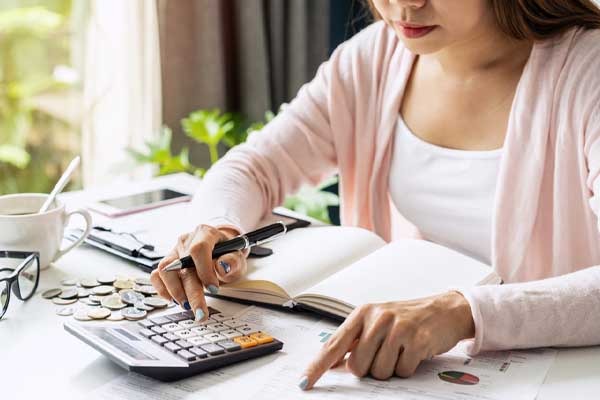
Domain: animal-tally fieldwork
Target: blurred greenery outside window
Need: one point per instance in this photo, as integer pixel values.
(40, 92)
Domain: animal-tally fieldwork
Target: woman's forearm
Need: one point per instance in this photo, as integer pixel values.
(559, 311)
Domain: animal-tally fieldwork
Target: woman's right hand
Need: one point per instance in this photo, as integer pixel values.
(186, 286)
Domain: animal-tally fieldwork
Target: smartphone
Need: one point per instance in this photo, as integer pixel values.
(124, 205)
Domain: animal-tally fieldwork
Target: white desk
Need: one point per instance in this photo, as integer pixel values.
(39, 360)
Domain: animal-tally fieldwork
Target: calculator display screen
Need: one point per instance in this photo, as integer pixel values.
(126, 348)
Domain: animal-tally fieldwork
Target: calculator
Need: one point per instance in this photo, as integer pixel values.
(175, 346)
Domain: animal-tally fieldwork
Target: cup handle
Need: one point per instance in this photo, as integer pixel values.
(88, 227)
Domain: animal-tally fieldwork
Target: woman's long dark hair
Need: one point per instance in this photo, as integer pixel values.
(539, 19)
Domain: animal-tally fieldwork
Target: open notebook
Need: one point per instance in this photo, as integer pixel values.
(333, 269)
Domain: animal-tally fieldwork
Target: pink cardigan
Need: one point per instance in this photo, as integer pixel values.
(544, 224)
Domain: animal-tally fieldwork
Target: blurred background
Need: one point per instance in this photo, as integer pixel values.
(151, 87)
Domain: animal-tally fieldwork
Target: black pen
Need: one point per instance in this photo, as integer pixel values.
(242, 242)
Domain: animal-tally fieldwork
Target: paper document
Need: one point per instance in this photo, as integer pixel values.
(515, 375)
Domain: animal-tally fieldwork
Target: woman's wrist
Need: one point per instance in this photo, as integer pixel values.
(458, 309)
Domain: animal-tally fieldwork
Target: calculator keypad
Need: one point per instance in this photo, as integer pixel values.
(194, 341)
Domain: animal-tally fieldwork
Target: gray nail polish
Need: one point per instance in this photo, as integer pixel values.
(225, 265)
(303, 383)
(213, 289)
(199, 314)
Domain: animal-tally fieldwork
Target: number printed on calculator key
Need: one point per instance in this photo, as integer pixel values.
(214, 337)
(184, 334)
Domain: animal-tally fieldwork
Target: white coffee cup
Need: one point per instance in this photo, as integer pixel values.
(23, 228)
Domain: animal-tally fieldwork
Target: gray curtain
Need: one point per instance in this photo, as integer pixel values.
(247, 56)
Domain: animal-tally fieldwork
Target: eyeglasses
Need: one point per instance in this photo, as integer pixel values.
(23, 279)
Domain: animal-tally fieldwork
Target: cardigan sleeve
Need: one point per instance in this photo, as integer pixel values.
(298, 147)
(559, 311)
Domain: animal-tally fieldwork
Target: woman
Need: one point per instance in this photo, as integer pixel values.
(472, 123)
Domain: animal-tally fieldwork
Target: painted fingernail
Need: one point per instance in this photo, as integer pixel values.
(175, 301)
(225, 265)
(213, 289)
(199, 314)
(187, 306)
(303, 383)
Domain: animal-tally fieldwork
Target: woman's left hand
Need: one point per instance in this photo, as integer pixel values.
(393, 338)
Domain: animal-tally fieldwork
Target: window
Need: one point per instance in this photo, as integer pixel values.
(40, 91)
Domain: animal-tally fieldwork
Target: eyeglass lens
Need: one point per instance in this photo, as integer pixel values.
(3, 295)
(27, 278)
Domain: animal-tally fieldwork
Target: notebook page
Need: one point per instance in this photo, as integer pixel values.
(403, 270)
(304, 257)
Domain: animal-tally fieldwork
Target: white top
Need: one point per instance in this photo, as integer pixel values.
(447, 194)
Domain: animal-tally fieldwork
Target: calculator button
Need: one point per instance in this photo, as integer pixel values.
(214, 337)
(220, 317)
(160, 321)
(171, 337)
(213, 349)
(198, 352)
(184, 334)
(147, 333)
(186, 355)
(188, 324)
(231, 333)
(218, 327)
(179, 316)
(172, 347)
(229, 345)
(245, 342)
(261, 337)
(158, 329)
(200, 331)
(198, 341)
(183, 344)
(247, 329)
(233, 323)
(159, 339)
(172, 327)
(146, 323)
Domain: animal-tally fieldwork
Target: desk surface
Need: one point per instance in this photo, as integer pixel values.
(39, 360)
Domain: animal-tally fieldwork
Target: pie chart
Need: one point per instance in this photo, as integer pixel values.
(459, 378)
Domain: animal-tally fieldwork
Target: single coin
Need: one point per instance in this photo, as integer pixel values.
(103, 290)
(89, 302)
(143, 281)
(63, 302)
(133, 314)
(123, 284)
(115, 316)
(141, 306)
(50, 293)
(98, 313)
(113, 302)
(81, 292)
(82, 314)
(65, 311)
(147, 290)
(156, 302)
(68, 294)
(107, 279)
(68, 282)
(130, 297)
(96, 299)
(89, 283)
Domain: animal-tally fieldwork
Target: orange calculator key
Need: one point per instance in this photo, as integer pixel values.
(261, 337)
(245, 341)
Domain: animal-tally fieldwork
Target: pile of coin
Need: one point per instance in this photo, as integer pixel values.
(107, 297)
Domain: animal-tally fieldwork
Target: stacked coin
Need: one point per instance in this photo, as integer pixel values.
(113, 298)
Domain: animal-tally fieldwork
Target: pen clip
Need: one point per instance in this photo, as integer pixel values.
(280, 234)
